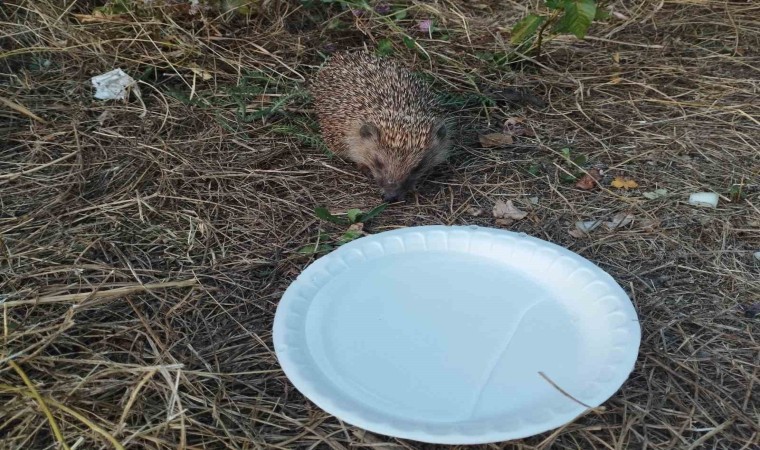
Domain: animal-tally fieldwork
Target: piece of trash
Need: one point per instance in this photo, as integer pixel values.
(657, 193)
(534, 200)
(507, 210)
(757, 256)
(112, 85)
(709, 199)
(620, 220)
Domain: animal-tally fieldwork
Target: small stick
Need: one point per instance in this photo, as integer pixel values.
(566, 394)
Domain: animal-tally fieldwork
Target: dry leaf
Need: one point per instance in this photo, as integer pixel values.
(648, 224)
(515, 126)
(495, 140)
(475, 212)
(204, 74)
(588, 181)
(587, 226)
(657, 193)
(507, 210)
(615, 79)
(620, 220)
(358, 227)
(504, 222)
(584, 227)
(624, 183)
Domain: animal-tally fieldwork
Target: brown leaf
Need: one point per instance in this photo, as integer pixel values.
(583, 228)
(620, 220)
(504, 222)
(624, 183)
(358, 227)
(507, 210)
(588, 181)
(648, 224)
(495, 140)
(515, 126)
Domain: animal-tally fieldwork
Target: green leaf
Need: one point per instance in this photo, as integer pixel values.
(336, 24)
(566, 153)
(349, 236)
(602, 14)
(567, 178)
(577, 18)
(373, 213)
(325, 215)
(580, 160)
(312, 249)
(113, 8)
(384, 47)
(735, 193)
(353, 215)
(401, 14)
(554, 4)
(410, 42)
(526, 28)
(534, 169)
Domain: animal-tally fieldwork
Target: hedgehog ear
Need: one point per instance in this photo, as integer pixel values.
(368, 131)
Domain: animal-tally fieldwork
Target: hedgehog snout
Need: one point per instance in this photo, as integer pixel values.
(392, 192)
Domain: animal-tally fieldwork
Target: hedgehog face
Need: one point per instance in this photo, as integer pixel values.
(396, 166)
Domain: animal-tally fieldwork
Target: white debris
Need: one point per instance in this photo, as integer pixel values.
(757, 256)
(587, 226)
(704, 199)
(112, 85)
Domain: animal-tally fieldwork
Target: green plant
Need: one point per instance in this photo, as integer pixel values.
(574, 164)
(562, 16)
(353, 218)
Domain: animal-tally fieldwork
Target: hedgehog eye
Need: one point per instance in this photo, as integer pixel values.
(441, 132)
(368, 131)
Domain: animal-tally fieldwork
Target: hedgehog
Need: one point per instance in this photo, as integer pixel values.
(379, 115)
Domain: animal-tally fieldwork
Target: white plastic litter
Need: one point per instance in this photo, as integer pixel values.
(757, 256)
(112, 85)
(704, 199)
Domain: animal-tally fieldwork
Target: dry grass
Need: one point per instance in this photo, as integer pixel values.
(143, 249)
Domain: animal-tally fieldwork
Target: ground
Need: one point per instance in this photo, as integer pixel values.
(145, 243)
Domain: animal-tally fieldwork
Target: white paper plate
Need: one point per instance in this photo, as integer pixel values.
(439, 334)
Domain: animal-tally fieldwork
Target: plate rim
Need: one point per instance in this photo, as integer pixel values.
(309, 388)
